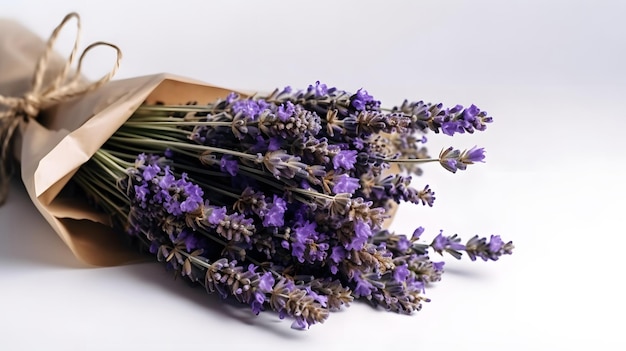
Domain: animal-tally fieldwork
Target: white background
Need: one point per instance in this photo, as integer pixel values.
(552, 75)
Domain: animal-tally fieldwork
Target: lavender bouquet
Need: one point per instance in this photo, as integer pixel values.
(276, 200)
(279, 200)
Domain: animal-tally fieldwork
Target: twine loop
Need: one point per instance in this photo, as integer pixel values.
(64, 86)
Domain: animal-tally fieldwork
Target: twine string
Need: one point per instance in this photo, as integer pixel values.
(19, 110)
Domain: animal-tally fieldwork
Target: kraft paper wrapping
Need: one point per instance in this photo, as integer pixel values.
(67, 135)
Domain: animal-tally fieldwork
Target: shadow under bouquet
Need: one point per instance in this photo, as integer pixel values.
(278, 200)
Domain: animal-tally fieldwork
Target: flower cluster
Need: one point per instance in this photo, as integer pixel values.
(279, 200)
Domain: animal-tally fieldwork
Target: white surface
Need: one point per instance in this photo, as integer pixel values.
(552, 75)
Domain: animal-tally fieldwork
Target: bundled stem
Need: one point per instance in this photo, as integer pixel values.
(279, 200)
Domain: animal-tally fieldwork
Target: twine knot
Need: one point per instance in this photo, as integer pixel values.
(63, 87)
(29, 105)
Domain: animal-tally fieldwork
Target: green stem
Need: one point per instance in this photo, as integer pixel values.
(155, 124)
(194, 169)
(176, 108)
(124, 157)
(97, 194)
(103, 162)
(201, 263)
(100, 180)
(140, 133)
(147, 141)
(215, 189)
(128, 148)
(309, 193)
(121, 162)
(258, 175)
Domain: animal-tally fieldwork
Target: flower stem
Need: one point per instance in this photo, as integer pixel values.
(103, 161)
(176, 108)
(181, 145)
(102, 200)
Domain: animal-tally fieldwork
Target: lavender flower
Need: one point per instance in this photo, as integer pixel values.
(363, 286)
(345, 159)
(251, 201)
(215, 214)
(345, 184)
(453, 160)
(450, 244)
(279, 200)
(289, 122)
(285, 111)
(362, 101)
(283, 165)
(249, 108)
(401, 273)
(362, 233)
(473, 155)
(447, 120)
(492, 250)
(318, 90)
(308, 245)
(275, 215)
(229, 165)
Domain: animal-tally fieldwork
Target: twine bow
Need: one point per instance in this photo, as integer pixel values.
(19, 110)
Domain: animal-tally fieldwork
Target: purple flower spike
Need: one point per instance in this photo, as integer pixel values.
(275, 215)
(217, 215)
(403, 244)
(451, 165)
(401, 273)
(303, 236)
(191, 241)
(448, 128)
(363, 286)
(362, 232)
(438, 266)
(232, 96)
(495, 243)
(266, 283)
(345, 159)
(453, 159)
(450, 244)
(439, 243)
(256, 304)
(150, 171)
(319, 89)
(286, 196)
(361, 99)
(474, 155)
(286, 90)
(189, 205)
(285, 111)
(338, 254)
(141, 191)
(250, 108)
(470, 113)
(274, 144)
(478, 247)
(345, 184)
(417, 233)
(229, 165)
